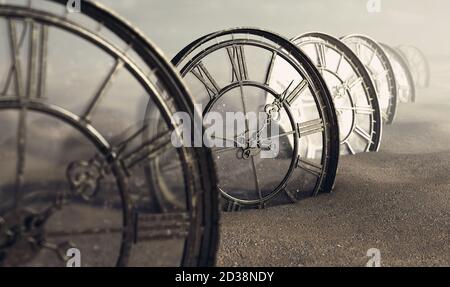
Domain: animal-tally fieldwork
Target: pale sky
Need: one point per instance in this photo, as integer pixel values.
(172, 24)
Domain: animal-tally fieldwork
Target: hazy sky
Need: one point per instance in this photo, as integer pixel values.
(172, 24)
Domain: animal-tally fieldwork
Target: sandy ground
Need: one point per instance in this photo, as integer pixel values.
(396, 200)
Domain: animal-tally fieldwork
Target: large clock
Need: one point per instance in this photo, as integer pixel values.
(74, 95)
(354, 95)
(403, 75)
(243, 71)
(381, 71)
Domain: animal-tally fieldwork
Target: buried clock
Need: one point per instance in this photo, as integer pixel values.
(354, 96)
(292, 147)
(417, 63)
(403, 75)
(78, 147)
(380, 69)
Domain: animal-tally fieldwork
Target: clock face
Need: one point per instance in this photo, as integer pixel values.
(380, 69)
(351, 87)
(418, 65)
(73, 127)
(293, 147)
(403, 76)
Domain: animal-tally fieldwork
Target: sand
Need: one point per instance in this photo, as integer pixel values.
(396, 200)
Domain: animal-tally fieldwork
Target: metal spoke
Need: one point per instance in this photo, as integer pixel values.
(270, 68)
(148, 150)
(122, 146)
(21, 128)
(234, 140)
(309, 166)
(204, 76)
(31, 60)
(255, 175)
(171, 167)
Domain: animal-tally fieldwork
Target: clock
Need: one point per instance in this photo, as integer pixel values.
(381, 71)
(291, 151)
(418, 65)
(74, 95)
(354, 95)
(403, 75)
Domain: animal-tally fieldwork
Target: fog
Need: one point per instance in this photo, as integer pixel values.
(172, 24)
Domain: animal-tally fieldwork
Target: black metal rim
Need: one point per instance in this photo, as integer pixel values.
(200, 246)
(305, 66)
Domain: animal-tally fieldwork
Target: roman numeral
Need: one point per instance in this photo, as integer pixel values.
(291, 194)
(321, 55)
(364, 110)
(310, 127)
(36, 62)
(309, 166)
(231, 206)
(358, 50)
(238, 64)
(353, 82)
(43, 43)
(147, 227)
(293, 95)
(339, 63)
(163, 226)
(203, 75)
(363, 133)
(349, 147)
(15, 69)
